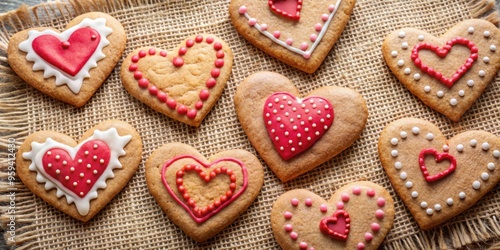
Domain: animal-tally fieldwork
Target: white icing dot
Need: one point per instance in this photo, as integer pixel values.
(284, 97)
(394, 153)
(270, 105)
(300, 144)
(58, 171)
(429, 211)
(403, 175)
(58, 157)
(89, 166)
(49, 153)
(81, 174)
(496, 153)
(482, 73)
(276, 138)
(394, 141)
(49, 165)
(286, 133)
(461, 195)
(401, 34)
(294, 127)
(299, 135)
(398, 165)
(66, 178)
(486, 59)
(293, 149)
(461, 92)
(325, 127)
(270, 122)
(290, 141)
(394, 53)
(81, 193)
(476, 185)
(449, 201)
(308, 138)
(282, 106)
(420, 37)
(75, 183)
(437, 207)
(491, 166)
(407, 71)
(88, 181)
(314, 125)
(317, 133)
(291, 120)
(473, 143)
(453, 102)
(423, 204)
(485, 146)
(493, 48)
(95, 146)
(86, 152)
(485, 176)
(446, 148)
(460, 147)
(404, 45)
(282, 126)
(282, 148)
(272, 131)
(409, 184)
(470, 30)
(267, 114)
(401, 63)
(429, 136)
(427, 89)
(80, 161)
(440, 94)
(416, 77)
(275, 111)
(72, 169)
(486, 34)
(403, 134)
(415, 130)
(414, 194)
(95, 172)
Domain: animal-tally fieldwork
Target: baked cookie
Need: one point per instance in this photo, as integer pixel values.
(438, 178)
(292, 134)
(80, 178)
(203, 196)
(358, 216)
(68, 66)
(447, 73)
(298, 33)
(183, 84)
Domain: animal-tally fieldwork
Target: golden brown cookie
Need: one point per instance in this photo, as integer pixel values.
(183, 84)
(293, 134)
(435, 177)
(298, 33)
(68, 66)
(80, 178)
(203, 196)
(447, 73)
(358, 216)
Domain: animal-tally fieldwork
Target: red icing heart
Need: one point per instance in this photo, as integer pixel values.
(438, 157)
(287, 8)
(69, 56)
(443, 52)
(295, 125)
(337, 226)
(85, 169)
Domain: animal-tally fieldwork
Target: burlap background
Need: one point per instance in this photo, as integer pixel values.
(133, 220)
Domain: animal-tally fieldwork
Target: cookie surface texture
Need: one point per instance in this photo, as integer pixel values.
(80, 178)
(447, 73)
(184, 83)
(357, 216)
(203, 196)
(294, 134)
(298, 33)
(70, 65)
(435, 177)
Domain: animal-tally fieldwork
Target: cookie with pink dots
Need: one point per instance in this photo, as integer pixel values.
(357, 216)
(447, 73)
(294, 134)
(299, 33)
(80, 178)
(184, 83)
(438, 178)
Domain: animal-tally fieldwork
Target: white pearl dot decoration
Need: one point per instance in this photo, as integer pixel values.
(470, 30)
(401, 63)
(470, 83)
(416, 77)
(429, 211)
(482, 73)
(394, 153)
(398, 165)
(407, 71)
(401, 34)
(409, 184)
(461, 93)
(446, 148)
(491, 166)
(394, 141)
(440, 94)
(427, 89)
(437, 207)
(404, 45)
(461, 195)
(423, 204)
(496, 153)
(460, 148)
(403, 134)
(403, 175)
(485, 176)
(453, 102)
(414, 194)
(415, 130)
(473, 143)
(449, 201)
(493, 48)
(476, 185)
(485, 146)
(394, 53)
(420, 37)
(486, 34)
(429, 136)
(486, 59)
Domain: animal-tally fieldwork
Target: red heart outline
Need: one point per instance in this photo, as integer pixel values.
(294, 16)
(323, 225)
(442, 53)
(438, 157)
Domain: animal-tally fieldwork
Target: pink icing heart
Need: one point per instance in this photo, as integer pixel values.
(287, 8)
(337, 226)
(438, 157)
(293, 124)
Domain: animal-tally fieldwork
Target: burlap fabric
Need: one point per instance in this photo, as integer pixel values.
(133, 220)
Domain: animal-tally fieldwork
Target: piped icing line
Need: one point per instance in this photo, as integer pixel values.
(306, 54)
(114, 141)
(74, 82)
(205, 165)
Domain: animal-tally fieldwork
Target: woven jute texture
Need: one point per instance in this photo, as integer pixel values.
(133, 220)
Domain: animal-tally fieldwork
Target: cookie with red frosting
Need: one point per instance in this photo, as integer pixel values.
(448, 73)
(294, 134)
(203, 196)
(184, 83)
(70, 65)
(357, 216)
(80, 178)
(436, 177)
(299, 33)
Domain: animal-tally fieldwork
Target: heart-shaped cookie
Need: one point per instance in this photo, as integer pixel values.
(298, 33)
(294, 135)
(203, 196)
(447, 73)
(80, 178)
(358, 216)
(438, 178)
(183, 84)
(69, 66)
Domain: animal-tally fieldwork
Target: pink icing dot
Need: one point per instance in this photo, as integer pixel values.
(318, 27)
(345, 197)
(135, 58)
(171, 103)
(198, 105)
(142, 53)
(191, 114)
(295, 202)
(379, 214)
(340, 205)
(133, 67)
(189, 43)
(381, 202)
(209, 39)
(182, 109)
(288, 215)
(137, 75)
(204, 94)
(219, 63)
(309, 202)
(307, 55)
(263, 27)
(311, 248)
(375, 227)
(324, 17)
(152, 51)
(163, 53)
(294, 235)
(370, 192)
(252, 21)
(361, 246)
(162, 97)
(368, 237)
(242, 10)
(277, 34)
(215, 72)
(303, 245)
(143, 83)
(313, 37)
(288, 227)
(356, 190)
(153, 90)
(331, 7)
(210, 83)
(289, 41)
(304, 46)
(323, 208)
